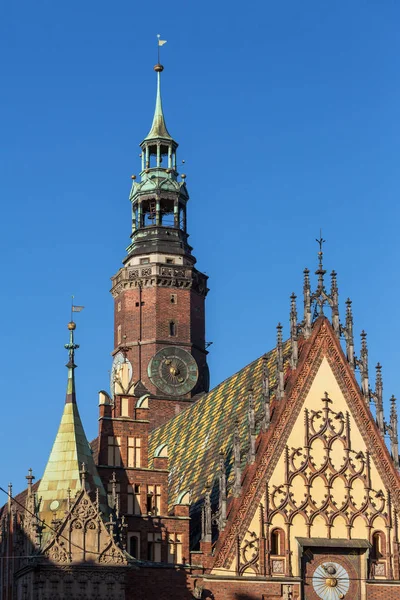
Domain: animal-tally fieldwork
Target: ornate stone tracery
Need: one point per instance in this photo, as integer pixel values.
(301, 463)
(83, 535)
(323, 344)
(327, 478)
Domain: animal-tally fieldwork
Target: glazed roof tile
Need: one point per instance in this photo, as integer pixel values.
(197, 435)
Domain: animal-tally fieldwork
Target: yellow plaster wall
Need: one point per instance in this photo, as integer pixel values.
(324, 382)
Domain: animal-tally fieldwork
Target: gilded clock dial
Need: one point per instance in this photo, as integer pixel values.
(173, 370)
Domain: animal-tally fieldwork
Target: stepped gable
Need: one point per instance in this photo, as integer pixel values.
(197, 435)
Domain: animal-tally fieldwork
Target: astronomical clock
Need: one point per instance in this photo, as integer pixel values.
(331, 581)
(173, 371)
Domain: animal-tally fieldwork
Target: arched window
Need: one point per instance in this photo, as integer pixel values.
(378, 545)
(277, 542)
(172, 328)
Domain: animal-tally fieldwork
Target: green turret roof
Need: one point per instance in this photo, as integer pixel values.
(63, 474)
(158, 128)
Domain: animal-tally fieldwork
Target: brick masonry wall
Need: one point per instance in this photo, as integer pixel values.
(187, 312)
(158, 584)
(383, 592)
(246, 590)
(178, 584)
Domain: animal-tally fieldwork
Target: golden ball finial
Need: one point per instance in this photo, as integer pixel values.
(133, 177)
(183, 176)
(158, 68)
(71, 326)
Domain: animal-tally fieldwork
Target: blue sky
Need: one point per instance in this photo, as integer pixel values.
(287, 117)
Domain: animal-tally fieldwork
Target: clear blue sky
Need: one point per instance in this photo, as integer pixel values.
(287, 118)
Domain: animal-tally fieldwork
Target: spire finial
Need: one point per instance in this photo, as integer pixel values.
(113, 482)
(30, 477)
(71, 366)
(251, 417)
(280, 376)
(237, 460)
(207, 516)
(320, 271)
(160, 43)
(293, 331)
(394, 441)
(222, 492)
(307, 304)
(335, 304)
(83, 473)
(378, 397)
(348, 334)
(265, 392)
(362, 363)
(158, 128)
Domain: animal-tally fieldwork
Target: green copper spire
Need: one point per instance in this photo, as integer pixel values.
(71, 366)
(158, 129)
(63, 473)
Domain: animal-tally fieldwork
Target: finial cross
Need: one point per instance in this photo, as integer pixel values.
(320, 241)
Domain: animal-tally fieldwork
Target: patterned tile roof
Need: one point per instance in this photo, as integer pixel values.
(197, 435)
(62, 474)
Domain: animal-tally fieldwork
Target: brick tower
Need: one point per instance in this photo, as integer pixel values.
(159, 295)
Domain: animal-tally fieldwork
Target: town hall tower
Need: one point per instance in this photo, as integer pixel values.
(159, 324)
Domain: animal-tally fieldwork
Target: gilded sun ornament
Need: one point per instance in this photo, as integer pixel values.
(331, 581)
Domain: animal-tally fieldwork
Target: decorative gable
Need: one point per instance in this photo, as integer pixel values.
(82, 536)
(322, 473)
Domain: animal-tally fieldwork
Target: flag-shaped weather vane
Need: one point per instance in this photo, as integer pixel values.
(159, 44)
(75, 308)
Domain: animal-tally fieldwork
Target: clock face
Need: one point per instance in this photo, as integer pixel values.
(173, 370)
(118, 361)
(331, 581)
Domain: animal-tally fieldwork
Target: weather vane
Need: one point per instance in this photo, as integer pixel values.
(75, 308)
(159, 44)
